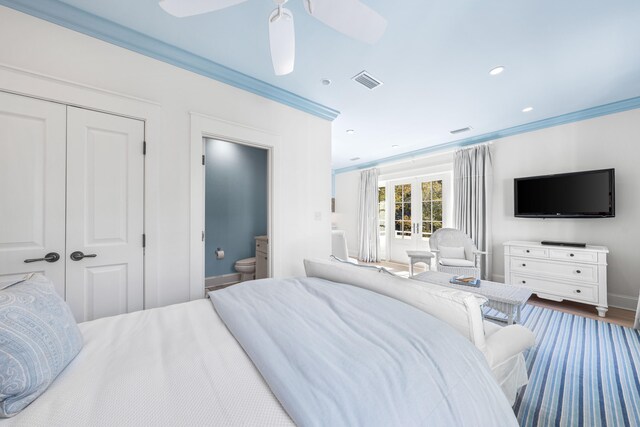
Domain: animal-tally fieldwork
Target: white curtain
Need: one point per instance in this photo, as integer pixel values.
(472, 192)
(369, 247)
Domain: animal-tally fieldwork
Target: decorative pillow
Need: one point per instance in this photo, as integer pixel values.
(452, 252)
(38, 338)
(455, 262)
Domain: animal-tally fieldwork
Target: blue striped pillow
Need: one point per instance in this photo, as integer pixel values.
(38, 339)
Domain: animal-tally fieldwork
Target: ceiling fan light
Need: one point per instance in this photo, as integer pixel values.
(282, 41)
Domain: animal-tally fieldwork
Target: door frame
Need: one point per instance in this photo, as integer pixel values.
(203, 126)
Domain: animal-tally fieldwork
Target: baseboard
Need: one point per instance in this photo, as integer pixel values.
(622, 301)
(222, 280)
(497, 278)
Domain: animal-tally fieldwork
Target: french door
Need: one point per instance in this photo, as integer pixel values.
(416, 209)
(32, 188)
(71, 203)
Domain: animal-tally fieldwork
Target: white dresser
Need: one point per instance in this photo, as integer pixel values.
(559, 272)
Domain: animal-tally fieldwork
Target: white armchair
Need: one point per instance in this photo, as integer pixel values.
(339, 246)
(455, 252)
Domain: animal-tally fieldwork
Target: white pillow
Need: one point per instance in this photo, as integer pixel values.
(452, 252)
(455, 262)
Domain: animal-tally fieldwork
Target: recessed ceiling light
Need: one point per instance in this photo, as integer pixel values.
(527, 109)
(353, 159)
(496, 71)
(325, 82)
(395, 146)
(351, 131)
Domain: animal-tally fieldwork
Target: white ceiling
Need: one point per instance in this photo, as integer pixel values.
(434, 59)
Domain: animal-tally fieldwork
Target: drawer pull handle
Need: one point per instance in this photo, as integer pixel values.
(524, 282)
(578, 291)
(524, 265)
(528, 251)
(571, 255)
(578, 271)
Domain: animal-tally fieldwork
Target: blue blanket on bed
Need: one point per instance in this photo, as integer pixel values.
(337, 355)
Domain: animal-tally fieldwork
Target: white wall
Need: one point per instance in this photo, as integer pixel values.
(41, 59)
(346, 214)
(605, 142)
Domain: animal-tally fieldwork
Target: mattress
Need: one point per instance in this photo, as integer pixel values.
(170, 366)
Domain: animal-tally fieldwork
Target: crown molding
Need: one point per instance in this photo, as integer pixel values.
(589, 113)
(86, 23)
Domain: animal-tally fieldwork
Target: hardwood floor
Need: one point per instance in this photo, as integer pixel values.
(618, 316)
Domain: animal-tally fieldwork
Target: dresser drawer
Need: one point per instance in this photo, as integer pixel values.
(560, 270)
(573, 256)
(533, 252)
(584, 293)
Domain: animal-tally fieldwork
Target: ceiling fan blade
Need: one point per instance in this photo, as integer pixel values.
(183, 8)
(350, 17)
(282, 40)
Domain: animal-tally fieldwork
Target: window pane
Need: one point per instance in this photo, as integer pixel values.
(398, 211)
(398, 191)
(407, 211)
(426, 191)
(436, 214)
(382, 194)
(398, 225)
(437, 190)
(437, 226)
(407, 229)
(406, 191)
(426, 211)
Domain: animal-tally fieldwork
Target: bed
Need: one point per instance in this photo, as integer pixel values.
(331, 354)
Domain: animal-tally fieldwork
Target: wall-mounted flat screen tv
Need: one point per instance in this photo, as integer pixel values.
(589, 194)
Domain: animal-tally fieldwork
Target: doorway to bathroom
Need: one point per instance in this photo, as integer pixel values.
(236, 184)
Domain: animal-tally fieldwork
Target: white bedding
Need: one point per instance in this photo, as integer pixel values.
(171, 366)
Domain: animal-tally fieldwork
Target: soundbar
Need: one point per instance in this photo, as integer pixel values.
(570, 244)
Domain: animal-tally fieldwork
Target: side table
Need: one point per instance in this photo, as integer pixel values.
(419, 256)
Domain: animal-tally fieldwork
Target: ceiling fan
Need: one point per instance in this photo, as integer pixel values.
(350, 17)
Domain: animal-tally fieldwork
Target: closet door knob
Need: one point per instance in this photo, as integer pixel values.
(50, 257)
(77, 256)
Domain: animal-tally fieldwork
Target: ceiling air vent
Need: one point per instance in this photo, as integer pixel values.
(367, 80)
(457, 131)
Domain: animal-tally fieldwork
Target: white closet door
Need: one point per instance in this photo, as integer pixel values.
(105, 192)
(32, 188)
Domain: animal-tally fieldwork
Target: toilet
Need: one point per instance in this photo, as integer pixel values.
(247, 268)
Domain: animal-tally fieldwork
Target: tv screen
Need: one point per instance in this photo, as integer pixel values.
(570, 195)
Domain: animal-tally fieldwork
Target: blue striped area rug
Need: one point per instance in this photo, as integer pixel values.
(582, 372)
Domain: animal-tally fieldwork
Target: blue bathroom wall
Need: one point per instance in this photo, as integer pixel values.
(236, 203)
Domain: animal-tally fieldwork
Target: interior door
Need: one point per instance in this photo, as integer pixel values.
(32, 188)
(105, 193)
